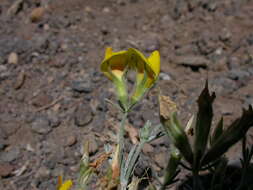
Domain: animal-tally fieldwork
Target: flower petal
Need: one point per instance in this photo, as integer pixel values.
(108, 52)
(154, 62)
(114, 63)
(66, 185)
(139, 61)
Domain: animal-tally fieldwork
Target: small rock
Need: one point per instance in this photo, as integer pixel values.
(106, 10)
(228, 106)
(3, 144)
(10, 127)
(238, 74)
(64, 46)
(187, 49)
(143, 166)
(10, 155)
(74, 169)
(83, 115)
(71, 140)
(56, 171)
(164, 76)
(151, 44)
(37, 14)
(68, 161)
(161, 159)
(42, 172)
(206, 44)
(41, 125)
(15, 7)
(84, 86)
(222, 85)
(212, 6)
(46, 27)
(191, 60)
(233, 62)
(13, 58)
(96, 122)
(54, 120)
(121, 2)
(42, 99)
(147, 148)
(225, 35)
(5, 169)
(4, 73)
(1, 60)
(20, 80)
(162, 141)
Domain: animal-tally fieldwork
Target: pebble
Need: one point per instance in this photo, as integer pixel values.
(41, 125)
(222, 85)
(71, 140)
(233, 62)
(13, 58)
(3, 143)
(83, 86)
(54, 120)
(15, 7)
(147, 148)
(106, 10)
(225, 35)
(83, 115)
(42, 99)
(5, 169)
(20, 80)
(4, 73)
(42, 172)
(37, 14)
(161, 159)
(93, 146)
(164, 76)
(57, 171)
(10, 127)
(238, 74)
(143, 166)
(46, 27)
(151, 44)
(1, 60)
(192, 60)
(10, 155)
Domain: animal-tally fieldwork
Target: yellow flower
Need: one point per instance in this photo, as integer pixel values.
(148, 70)
(116, 64)
(114, 67)
(150, 66)
(64, 186)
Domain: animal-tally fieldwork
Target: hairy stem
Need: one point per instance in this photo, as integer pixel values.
(121, 135)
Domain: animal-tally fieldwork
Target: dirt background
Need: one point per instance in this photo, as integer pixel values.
(52, 94)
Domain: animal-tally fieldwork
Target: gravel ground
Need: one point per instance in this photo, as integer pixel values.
(53, 94)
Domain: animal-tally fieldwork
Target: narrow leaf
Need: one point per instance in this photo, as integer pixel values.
(217, 132)
(203, 123)
(235, 132)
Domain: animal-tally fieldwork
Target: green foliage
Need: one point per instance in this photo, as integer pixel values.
(204, 155)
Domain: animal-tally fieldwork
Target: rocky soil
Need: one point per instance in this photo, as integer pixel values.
(52, 94)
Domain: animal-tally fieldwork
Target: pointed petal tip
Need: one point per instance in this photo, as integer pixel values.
(108, 52)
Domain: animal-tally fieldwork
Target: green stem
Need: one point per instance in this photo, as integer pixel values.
(121, 136)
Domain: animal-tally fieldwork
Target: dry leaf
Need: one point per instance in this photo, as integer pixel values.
(98, 162)
(20, 80)
(167, 106)
(133, 134)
